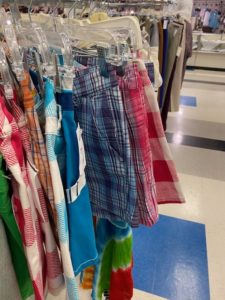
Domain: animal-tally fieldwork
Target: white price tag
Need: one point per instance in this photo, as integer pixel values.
(165, 24)
(179, 51)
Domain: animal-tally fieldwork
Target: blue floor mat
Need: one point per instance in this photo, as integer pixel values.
(170, 260)
(188, 101)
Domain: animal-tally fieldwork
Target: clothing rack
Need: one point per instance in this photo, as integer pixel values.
(131, 3)
(108, 3)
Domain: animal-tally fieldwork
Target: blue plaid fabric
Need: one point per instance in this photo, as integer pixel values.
(94, 61)
(109, 167)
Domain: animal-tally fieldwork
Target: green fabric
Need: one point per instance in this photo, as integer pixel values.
(122, 256)
(114, 245)
(106, 267)
(14, 238)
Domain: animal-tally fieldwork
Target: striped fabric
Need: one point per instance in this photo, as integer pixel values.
(24, 209)
(109, 167)
(38, 145)
(132, 93)
(168, 189)
(54, 271)
(14, 239)
(52, 127)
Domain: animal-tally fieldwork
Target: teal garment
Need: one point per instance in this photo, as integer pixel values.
(14, 238)
(81, 230)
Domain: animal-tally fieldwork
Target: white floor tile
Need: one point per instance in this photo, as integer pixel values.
(198, 161)
(140, 295)
(210, 102)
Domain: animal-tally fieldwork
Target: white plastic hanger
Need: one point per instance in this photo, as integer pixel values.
(5, 75)
(128, 22)
(11, 40)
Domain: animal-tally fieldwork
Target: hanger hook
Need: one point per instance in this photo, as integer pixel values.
(72, 7)
(29, 10)
(53, 14)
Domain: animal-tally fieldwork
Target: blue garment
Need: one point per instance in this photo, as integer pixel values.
(214, 20)
(81, 230)
(110, 168)
(164, 64)
(53, 142)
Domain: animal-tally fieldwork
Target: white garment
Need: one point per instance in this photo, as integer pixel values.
(153, 57)
(206, 18)
(202, 13)
(178, 75)
(184, 8)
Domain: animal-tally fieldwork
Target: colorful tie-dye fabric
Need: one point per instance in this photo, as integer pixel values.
(113, 274)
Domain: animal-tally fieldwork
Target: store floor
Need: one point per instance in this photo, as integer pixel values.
(183, 256)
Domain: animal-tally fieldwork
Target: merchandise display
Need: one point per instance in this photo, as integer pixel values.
(89, 92)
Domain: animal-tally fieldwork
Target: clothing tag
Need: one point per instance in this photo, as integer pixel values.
(165, 23)
(8, 91)
(179, 51)
(175, 32)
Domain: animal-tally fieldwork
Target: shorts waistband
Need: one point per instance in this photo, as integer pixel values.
(131, 73)
(90, 81)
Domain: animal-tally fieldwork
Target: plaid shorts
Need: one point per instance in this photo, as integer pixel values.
(109, 167)
(133, 98)
(131, 88)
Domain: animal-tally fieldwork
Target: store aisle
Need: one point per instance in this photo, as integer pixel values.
(187, 262)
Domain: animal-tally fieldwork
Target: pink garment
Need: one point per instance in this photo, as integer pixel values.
(131, 87)
(53, 265)
(168, 189)
(206, 18)
(22, 200)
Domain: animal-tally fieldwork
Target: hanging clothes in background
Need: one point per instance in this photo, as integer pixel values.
(161, 90)
(174, 39)
(188, 46)
(214, 20)
(177, 76)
